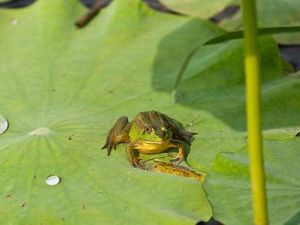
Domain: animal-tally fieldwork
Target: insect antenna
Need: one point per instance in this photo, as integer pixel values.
(194, 122)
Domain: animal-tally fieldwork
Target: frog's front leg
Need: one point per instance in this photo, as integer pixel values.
(117, 134)
(132, 158)
(181, 151)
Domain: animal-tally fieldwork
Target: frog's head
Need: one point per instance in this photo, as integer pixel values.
(152, 127)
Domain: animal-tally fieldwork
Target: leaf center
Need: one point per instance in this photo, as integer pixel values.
(40, 131)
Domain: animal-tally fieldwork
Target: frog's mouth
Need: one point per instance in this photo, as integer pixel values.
(159, 142)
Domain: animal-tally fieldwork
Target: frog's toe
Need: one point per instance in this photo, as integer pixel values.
(177, 160)
(109, 146)
(108, 151)
(138, 164)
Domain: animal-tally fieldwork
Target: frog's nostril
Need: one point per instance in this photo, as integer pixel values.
(165, 133)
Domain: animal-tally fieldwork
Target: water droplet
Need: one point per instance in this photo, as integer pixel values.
(52, 180)
(40, 131)
(3, 124)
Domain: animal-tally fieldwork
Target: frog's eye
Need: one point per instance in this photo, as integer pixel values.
(148, 130)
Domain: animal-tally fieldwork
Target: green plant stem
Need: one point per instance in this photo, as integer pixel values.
(253, 95)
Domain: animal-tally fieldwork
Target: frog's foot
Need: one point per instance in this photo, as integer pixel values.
(178, 159)
(110, 144)
(117, 134)
(181, 153)
(132, 158)
(136, 162)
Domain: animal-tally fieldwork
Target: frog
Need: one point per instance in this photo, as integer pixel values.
(150, 132)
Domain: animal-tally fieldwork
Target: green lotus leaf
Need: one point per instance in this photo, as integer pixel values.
(213, 84)
(63, 88)
(229, 173)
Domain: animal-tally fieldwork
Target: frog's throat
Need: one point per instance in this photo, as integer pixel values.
(151, 147)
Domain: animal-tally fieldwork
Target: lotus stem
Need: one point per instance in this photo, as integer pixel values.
(253, 98)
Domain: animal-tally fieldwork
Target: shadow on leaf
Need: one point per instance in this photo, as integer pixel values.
(214, 80)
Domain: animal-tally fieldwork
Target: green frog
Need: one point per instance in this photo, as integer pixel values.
(150, 132)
